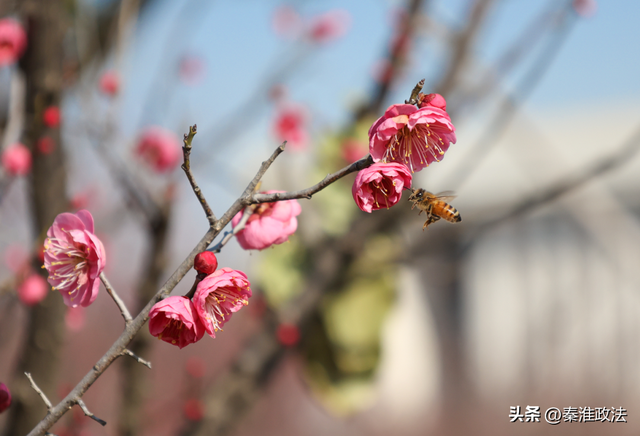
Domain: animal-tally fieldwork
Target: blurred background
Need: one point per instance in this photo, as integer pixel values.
(361, 323)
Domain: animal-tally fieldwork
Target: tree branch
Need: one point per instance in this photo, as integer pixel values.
(363, 163)
(35, 387)
(186, 166)
(86, 411)
(123, 308)
(138, 359)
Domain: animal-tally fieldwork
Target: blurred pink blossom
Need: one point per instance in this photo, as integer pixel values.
(585, 8)
(380, 185)
(16, 257)
(353, 150)
(109, 83)
(74, 258)
(196, 367)
(329, 26)
(286, 22)
(5, 397)
(75, 319)
(270, 224)
(16, 160)
(46, 144)
(193, 409)
(13, 41)
(160, 148)
(51, 116)
(288, 334)
(174, 320)
(193, 70)
(219, 295)
(412, 136)
(289, 126)
(33, 289)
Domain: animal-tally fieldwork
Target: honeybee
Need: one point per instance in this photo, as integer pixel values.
(435, 206)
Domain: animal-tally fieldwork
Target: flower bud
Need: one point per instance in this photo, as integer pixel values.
(435, 100)
(288, 334)
(205, 262)
(5, 397)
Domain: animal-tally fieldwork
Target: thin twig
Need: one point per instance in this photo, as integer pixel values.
(231, 233)
(127, 352)
(602, 166)
(35, 387)
(86, 411)
(511, 103)
(186, 166)
(363, 163)
(123, 308)
(415, 93)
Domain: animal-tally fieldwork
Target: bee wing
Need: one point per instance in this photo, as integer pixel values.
(446, 196)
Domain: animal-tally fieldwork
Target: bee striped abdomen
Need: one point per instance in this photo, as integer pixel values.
(446, 211)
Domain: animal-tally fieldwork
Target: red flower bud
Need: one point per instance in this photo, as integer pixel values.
(51, 116)
(288, 334)
(205, 262)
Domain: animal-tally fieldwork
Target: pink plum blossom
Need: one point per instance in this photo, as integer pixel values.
(33, 289)
(13, 41)
(74, 258)
(270, 223)
(353, 150)
(585, 8)
(219, 295)
(5, 397)
(192, 69)
(51, 116)
(16, 160)
(290, 126)
(174, 320)
(75, 318)
(109, 83)
(380, 185)
(286, 22)
(46, 144)
(435, 100)
(160, 148)
(329, 26)
(412, 136)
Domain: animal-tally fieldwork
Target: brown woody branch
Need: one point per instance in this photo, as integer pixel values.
(35, 387)
(363, 163)
(186, 166)
(127, 352)
(116, 298)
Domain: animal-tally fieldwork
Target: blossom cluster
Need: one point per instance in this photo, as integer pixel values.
(181, 321)
(404, 140)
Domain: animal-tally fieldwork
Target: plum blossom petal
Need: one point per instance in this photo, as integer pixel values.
(380, 186)
(290, 126)
(5, 397)
(219, 295)
(13, 41)
(270, 223)
(33, 289)
(16, 160)
(329, 26)
(109, 83)
(74, 258)
(174, 320)
(159, 148)
(412, 136)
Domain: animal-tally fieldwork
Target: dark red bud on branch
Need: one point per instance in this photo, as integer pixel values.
(205, 262)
